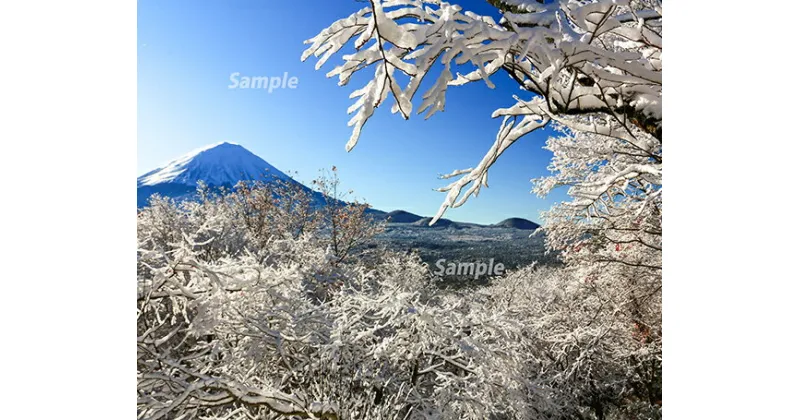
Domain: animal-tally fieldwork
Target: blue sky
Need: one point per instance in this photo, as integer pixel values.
(187, 50)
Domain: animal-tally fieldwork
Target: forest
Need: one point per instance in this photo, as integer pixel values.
(256, 303)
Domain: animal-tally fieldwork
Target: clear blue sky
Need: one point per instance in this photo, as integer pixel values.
(187, 50)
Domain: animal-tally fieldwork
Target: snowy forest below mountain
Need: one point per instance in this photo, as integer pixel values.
(256, 304)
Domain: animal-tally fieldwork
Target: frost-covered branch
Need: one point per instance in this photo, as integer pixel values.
(599, 59)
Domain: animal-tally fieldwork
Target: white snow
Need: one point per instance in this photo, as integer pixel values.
(222, 163)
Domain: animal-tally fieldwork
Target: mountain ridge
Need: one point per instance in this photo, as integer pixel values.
(517, 223)
(225, 164)
(402, 216)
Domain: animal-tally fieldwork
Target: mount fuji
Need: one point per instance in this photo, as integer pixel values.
(218, 165)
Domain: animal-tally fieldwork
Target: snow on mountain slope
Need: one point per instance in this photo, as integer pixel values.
(218, 164)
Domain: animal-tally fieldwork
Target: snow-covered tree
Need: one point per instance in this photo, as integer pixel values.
(346, 220)
(290, 331)
(591, 66)
(591, 72)
(273, 210)
(593, 345)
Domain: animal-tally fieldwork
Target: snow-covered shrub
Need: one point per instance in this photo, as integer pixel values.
(275, 210)
(241, 336)
(259, 218)
(346, 221)
(297, 335)
(593, 344)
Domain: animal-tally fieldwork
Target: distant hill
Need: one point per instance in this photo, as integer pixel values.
(402, 216)
(376, 214)
(517, 223)
(441, 223)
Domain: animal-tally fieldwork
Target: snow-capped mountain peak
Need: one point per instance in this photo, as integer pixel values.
(219, 164)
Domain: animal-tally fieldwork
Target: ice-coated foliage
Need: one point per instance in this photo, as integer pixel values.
(345, 219)
(593, 343)
(592, 66)
(233, 326)
(615, 216)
